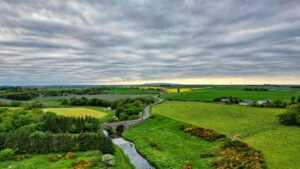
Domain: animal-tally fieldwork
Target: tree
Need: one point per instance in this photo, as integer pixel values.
(293, 100)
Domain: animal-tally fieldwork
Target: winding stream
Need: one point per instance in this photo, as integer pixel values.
(138, 161)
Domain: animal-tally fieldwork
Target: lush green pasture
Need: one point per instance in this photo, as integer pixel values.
(257, 126)
(40, 162)
(76, 112)
(209, 95)
(161, 141)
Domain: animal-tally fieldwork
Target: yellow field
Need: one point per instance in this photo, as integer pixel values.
(76, 112)
(169, 90)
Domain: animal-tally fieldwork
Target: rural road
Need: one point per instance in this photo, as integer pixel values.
(146, 115)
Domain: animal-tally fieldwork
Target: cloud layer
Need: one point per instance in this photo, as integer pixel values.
(107, 41)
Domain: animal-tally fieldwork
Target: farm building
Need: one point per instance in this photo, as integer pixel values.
(246, 102)
(263, 102)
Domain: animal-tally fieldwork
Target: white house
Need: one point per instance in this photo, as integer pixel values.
(263, 102)
(246, 102)
(225, 100)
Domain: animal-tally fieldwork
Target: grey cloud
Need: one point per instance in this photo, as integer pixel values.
(51, 42)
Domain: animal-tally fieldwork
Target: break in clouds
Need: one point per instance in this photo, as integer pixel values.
(105, 41)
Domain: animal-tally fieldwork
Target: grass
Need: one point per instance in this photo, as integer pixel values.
(77, 112)
(161, 141)
(209, 95)
(257, 126)
(39, 161)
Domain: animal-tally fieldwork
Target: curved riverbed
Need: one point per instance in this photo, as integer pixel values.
(138, 161)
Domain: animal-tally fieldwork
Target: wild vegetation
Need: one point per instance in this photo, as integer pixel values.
(236, 154)
(292, 116)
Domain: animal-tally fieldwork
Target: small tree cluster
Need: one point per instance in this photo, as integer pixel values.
(83, 101)
(131, 107)
(62, 124)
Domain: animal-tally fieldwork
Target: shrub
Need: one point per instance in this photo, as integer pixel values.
(70, 155)
(21, 157)
(236, 154)
(207, 155)
(53, 158)
(292, 116)
(181, 127)
(187, 166)
(206, 134)
(6, 154)
(82, 164)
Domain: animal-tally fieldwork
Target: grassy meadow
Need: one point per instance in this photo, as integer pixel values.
(164, 144)
(257, 126)
(40, 162)
(210, 95)
(77, 112)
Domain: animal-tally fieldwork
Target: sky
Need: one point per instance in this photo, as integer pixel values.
(143, 41)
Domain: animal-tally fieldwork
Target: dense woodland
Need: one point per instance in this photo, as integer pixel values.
(33, 131)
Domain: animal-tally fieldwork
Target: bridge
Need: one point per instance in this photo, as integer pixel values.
(128, 123)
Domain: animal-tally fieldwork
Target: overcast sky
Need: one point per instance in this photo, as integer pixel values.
(135, 41)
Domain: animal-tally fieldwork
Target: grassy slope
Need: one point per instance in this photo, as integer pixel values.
(76, 112)
(257, 126)
(209, 95)
(175, 148)
(39, 161)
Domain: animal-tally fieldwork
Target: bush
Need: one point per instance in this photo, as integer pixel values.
(236, 154)
(207, 155)
(82, 164)
(292, 116)
(21, 157)
(53, 158)
(6, 154)
(207, 134)
(70, 155)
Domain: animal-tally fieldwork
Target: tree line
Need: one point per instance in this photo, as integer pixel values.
(125, 109)
(26, 140)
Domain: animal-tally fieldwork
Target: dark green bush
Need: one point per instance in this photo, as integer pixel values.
(292, 116)
(6, 154)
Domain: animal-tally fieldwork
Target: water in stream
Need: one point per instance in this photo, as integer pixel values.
(138, 161)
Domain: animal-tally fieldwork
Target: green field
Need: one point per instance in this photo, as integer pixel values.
(257, 126)
(40, 162)
(161, 141)
(77, 112)
(210, 95)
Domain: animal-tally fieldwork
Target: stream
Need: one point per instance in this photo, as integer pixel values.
(138, 161)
